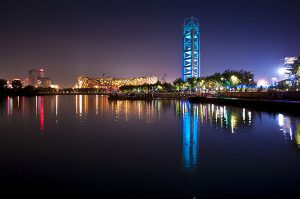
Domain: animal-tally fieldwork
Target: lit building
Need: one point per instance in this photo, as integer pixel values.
(290, 73)
(16, 83)
(25, 82)
(45, 82)
(191, 49)
(37, 78)
(113, 83)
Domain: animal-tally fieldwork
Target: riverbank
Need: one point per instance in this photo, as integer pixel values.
(268, 95)
(147, 97)
(256, 104)
(47, 94)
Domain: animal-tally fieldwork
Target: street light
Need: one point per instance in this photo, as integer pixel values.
(262, 83)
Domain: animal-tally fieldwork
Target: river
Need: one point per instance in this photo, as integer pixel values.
(88, 147)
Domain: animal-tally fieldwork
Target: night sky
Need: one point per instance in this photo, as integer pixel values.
(138, 38)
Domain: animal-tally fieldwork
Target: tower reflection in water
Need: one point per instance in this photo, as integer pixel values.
(189, 135)
(194, 116)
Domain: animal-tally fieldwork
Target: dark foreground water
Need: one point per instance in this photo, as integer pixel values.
(89, 147)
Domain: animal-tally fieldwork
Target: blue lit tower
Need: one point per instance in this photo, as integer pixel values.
(191, 49)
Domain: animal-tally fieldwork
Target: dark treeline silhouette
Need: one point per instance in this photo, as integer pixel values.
(26, 91)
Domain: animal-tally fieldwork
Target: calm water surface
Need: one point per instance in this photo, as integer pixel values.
(89, 147)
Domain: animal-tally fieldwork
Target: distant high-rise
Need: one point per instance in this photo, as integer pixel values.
(33, 77)
(191, 49)
(37, 78)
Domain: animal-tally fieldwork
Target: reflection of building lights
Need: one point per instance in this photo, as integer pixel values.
(233, 122)
(291, 133)
(190, 138)
(80, 105)
(8, 105)
(249, 117)
(285, 124)
(97, 105)
(86, 104)
(41, 115)
(226, 116)
(280, 120)
(56, 105)
(76, 104)
(36, 105)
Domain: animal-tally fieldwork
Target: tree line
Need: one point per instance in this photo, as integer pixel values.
(228, 80)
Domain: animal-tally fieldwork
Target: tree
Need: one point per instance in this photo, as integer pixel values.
(178, 83)
(241, 77)
(3, 84)
(192, 82)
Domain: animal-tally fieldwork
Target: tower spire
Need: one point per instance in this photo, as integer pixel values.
(191, 48)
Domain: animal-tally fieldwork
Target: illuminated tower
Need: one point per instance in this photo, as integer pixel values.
(191, 49)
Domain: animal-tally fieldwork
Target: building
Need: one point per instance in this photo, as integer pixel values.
(37, 78)
(113, 83)
(16, 83)
(45, 82)
(191, 49)
(290, 73)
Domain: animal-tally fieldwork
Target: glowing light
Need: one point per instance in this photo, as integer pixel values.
(262, 83)
(114, 83)
(249, 116)
(55, 86)
(234, 80)
(282, 71)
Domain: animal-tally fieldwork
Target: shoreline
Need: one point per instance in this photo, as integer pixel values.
(259, 104)
(288, 106)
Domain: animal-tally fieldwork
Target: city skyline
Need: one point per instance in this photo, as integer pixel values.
(131, 39)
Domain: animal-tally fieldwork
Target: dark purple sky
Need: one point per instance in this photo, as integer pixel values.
(138, 38)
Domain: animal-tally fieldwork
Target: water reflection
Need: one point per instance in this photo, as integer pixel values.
(189, 135)
(228, 119)
(141, 110)
(41, 112)
(219, 117)
(193, 116)
(119, 110)
(286, 125)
